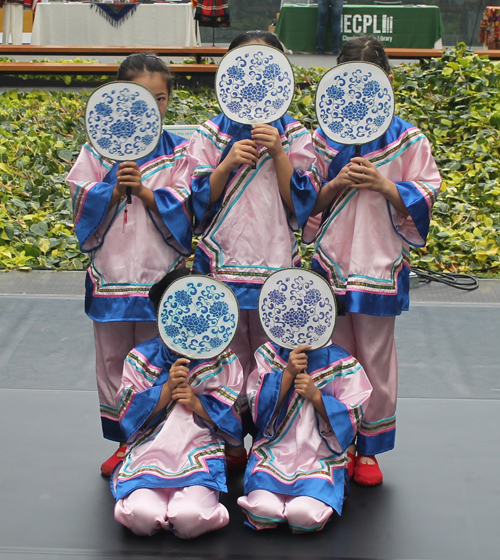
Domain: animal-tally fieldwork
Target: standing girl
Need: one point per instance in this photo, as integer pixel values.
(251, 189)
(374, 207)
(129, 256)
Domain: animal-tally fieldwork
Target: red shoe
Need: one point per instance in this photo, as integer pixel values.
(109, 466)
(368, 475)
(351, 464)
(236, 462)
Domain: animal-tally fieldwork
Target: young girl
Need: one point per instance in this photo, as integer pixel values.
(307, 407)
(176, 414)
(251, 189)
(374, 207)
(127, 258)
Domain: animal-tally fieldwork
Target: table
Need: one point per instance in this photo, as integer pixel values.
(27, 20)
(489, 30)
(393, 26)
(77, 23)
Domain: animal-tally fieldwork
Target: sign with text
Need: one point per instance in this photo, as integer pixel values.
(409, 27)
(379, 26)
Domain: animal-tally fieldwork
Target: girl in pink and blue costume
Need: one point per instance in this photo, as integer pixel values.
(251, 189)
(177, 415)
(308, 408)
(374, 207)
(129, 256)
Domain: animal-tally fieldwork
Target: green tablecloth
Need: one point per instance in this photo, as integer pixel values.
(394, 26)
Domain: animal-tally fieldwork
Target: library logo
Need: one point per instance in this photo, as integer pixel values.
(379, 26)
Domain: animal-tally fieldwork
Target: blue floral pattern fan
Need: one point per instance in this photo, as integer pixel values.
(296, 307)
(123, 121)
(254, 84)
(355, 103)
(198, 317)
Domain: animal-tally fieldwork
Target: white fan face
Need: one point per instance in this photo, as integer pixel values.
(123, 121)
(296, 307)
(355, 103)
(198, 317)
(254, 84)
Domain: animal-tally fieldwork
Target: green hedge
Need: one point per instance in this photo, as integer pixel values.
(455, 100)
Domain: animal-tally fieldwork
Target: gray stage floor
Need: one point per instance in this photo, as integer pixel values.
(439, 500)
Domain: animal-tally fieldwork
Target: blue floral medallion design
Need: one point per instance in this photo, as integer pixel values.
(198, 317)
(123, 121)
(255, 84)
(297, 307)
(354, 103)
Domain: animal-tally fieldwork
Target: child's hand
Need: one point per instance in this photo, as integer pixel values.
(269, 137)
(341, 181)
(243, 152)
(128, 176)
(297, 360)
(305, 387)
(178, 373)
(365, 175)
(184, 395)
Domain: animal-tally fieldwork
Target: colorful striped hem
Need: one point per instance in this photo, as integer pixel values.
(297, 530)
(260, 523)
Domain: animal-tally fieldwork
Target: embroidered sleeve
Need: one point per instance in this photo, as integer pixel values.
(217, 384)
(305, 181)
(345, 391)
(263, 389)
(91, 182)
(143, 378)
(204, 153)
(170, 181)
(419, 189)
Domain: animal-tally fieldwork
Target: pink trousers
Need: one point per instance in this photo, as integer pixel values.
(303, 514)
(113, 341)
(248, 338)
(189, 511)
(370, 339)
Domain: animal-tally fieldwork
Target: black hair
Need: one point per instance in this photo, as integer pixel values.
(157, 290)
(366, 49)
(144, 63)
(257, 36)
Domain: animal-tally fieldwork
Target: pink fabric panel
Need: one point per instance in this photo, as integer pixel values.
(305, 514)
(195, 510)
(113, 341)
(361, 245)
(265, 510)
(361, 238)
(191, 511)
(144, 511)
(311, 228)
(248, 338)
(371, 340)
(247, 234)
(156, 456)
(136, 254)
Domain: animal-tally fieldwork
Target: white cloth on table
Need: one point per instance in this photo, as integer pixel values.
(75, 23)
(12, 24)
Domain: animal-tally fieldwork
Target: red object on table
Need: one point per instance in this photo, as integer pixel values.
(489, 30)
(27, 4)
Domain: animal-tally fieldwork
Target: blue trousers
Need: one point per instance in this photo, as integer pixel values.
(334, 8)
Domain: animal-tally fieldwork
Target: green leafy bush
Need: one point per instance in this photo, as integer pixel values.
(455, 100)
